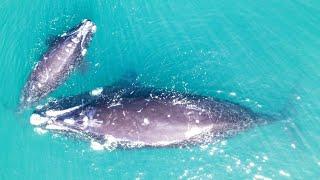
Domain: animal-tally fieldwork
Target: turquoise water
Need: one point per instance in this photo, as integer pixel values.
(263, 55)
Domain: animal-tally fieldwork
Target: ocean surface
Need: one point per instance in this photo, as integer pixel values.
(264, 55)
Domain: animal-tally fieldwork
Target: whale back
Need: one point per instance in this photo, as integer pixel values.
(148, 116)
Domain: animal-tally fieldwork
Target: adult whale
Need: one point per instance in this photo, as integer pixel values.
(134, 115)
(56, 64)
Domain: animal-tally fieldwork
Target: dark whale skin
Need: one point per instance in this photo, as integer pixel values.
(57, 63)
(145, 116)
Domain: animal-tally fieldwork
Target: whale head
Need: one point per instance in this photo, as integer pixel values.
(82, 33)
(75, 120)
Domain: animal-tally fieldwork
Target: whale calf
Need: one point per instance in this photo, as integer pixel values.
(56, 64)
(144, 116)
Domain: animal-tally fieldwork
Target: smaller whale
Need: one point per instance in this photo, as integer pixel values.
(144, 116)
(57, 63)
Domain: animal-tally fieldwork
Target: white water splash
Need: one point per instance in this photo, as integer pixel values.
(257, 176)
(283, 173)
(40, 131)
(96, 146)
(233, 94)
(97, 91)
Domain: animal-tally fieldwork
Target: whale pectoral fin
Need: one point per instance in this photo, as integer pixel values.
(83, 66)
(128, 79)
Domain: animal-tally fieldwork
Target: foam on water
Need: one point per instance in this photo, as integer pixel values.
(40, 131)
(97, 91)
(284, 173)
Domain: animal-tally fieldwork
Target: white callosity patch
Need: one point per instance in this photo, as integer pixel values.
(54, 113)
(84, 52)
(85, 122)
(37, 120)
(96, 92)
(88, 25)
(145, 122)
(75, 40)
(94, 29)
(69, 121)
(86, 28)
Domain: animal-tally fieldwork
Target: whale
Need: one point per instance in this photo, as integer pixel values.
(61, 58)
(136, 116)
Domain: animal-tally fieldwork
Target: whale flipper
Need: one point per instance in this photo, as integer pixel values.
(128, 79)
(83, 66)
(53, 40)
